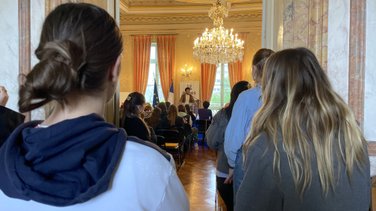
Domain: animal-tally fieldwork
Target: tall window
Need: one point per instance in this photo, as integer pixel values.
(222, 90)
(153, 75)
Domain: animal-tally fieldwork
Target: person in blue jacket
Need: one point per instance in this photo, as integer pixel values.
(239, 124)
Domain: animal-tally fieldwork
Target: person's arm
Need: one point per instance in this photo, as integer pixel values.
(211, 134)
(237, 129)
(3, 96)
(258, 190)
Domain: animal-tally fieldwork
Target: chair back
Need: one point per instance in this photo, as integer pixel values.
(170, 135)
(202, 125)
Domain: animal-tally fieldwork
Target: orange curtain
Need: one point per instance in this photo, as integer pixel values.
(142, 44)
(235, 69)
(166, 60)
(208, 72)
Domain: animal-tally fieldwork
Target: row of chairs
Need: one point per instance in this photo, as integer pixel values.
(176, 142)
(173, 141)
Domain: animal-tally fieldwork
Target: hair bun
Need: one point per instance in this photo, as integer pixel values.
(65, 51)
(53, 77)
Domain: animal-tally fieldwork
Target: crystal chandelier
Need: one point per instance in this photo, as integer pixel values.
(218, 45)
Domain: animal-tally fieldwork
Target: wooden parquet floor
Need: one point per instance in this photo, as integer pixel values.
(198, 177)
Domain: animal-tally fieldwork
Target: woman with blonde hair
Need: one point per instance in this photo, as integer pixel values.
(305, 150)
(173, 118)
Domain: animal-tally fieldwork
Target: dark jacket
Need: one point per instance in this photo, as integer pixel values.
(67, 163)
(204, 113)
(215, 136)
(134, 126)
(9, 120)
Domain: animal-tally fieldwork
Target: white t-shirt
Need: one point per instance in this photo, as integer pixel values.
(144, 180)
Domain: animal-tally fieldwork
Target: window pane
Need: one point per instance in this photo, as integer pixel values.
(153, 75)
(222, 90)
(153, 52)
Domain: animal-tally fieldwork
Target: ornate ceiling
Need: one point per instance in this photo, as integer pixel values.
(173, 15)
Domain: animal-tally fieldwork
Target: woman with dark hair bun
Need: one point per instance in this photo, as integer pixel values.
(133, 124)
(74, 160)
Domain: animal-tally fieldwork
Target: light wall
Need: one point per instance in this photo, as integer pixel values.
(184, 55)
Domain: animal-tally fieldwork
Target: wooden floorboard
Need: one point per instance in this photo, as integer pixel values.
(198, 177)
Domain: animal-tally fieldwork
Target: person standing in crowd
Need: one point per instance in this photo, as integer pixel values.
(9, 119)
(305, 150)
(133, 123)
(205, 113)
(215, 136)
(245, 107)
(74, 160)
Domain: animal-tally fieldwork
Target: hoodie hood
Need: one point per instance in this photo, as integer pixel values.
(67, 163)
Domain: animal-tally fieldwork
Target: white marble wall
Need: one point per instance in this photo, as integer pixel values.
(37, 13)
(9, 50)
(370, 74)
(338, 45)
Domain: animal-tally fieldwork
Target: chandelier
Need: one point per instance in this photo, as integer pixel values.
(218, 45)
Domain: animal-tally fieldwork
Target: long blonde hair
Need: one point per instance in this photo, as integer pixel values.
(300, 106)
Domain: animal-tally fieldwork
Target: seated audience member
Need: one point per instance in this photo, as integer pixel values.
(154, 119)
(74, 160)
(205, 113)
(9, 119)
(190, 113)
(133, 123)
(163, 123)
(173, 119)
(148, 109)
(183, 114)
(167, 105)
(305, 150)
(215, 136)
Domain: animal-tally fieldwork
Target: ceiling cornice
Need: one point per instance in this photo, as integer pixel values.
(186, 18)
(123, 7)
(191, 9)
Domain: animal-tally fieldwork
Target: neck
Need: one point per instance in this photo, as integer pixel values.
(77, 106)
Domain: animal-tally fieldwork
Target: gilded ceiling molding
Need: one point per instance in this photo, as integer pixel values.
(184, 19)
(239, 27)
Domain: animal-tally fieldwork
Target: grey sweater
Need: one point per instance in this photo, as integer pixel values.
(262, 190)
(215, 136)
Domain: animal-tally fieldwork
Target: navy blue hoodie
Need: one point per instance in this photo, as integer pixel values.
(67, 163)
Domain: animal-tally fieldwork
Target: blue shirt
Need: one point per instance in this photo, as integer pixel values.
(238, 127)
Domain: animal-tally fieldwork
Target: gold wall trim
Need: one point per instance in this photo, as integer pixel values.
(186, 18)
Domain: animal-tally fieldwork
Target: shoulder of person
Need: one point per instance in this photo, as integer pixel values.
(264, 144)
(149, 146)
(220, 115)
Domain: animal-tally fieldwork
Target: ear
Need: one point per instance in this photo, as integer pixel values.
(115, 71)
